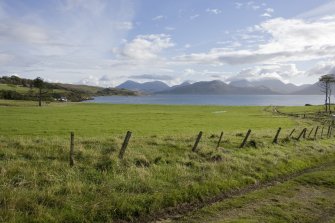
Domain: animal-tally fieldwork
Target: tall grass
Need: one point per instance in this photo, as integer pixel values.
(156, 173)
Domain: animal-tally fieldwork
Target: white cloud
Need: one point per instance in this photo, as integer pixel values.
(93, 80)
(279, 71)
(266, 15)
(214, 11)
(249, 5)
(321, 11)
(269, 10)
(90, 80)
(322, 68)
(238, 5)
(189, 71)
(290, 40)
(75, 41)
(298, 35)
(145, 47)
(159, 17)
(192, 17)
(17, 31)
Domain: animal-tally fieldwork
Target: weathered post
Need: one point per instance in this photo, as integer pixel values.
(302, 132)
(291, 133)
(197, 142)
(245, 139)
(219, 140)
(304, 135)
(72, 149)
(275, 140)
(124, 145)
(310, 132)
(316, 132)
(328, 132)
(322, 132)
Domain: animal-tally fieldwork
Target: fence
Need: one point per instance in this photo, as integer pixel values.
(276, 139)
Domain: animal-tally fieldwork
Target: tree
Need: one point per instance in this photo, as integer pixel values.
(325, 83)
(39, 83)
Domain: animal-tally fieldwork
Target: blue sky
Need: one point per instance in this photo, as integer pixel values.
(105, 42)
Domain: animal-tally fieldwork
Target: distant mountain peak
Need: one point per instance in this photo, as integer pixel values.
(264, 86)
(215, 87)
(149, 87)
(274, 84)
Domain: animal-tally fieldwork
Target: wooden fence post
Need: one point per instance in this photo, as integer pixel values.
(328, 132)
(322, 132)
(331, 131)
(72, 149)
(219, 140)
(124, 145)
(197, 142)
(302, 132)
(275, 140)
(291, 133)
(310, 132)
(304, 135)
(316, 132)
(245, 139)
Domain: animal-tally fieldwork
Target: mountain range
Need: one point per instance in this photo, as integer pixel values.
(242, 86)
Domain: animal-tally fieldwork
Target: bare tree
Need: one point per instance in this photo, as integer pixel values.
(325, 83)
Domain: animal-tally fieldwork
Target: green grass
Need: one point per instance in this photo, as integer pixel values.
(19, 89)
(307, 198)
(24, 90)
(302, 109)
(159, 170)
(86, 88)
(143, 120)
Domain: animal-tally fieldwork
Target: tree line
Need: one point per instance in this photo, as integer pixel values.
(41, 90)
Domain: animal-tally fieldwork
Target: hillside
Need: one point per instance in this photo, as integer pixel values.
(310, 90)
(147, 87)
(265, 86)
(271, 83)
(216, 87)
(15, 88)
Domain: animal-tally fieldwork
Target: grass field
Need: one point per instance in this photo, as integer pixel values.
(19, 89)
(23, 90)
(159, 170)
(144, 120)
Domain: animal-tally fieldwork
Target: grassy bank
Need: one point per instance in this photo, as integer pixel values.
(306, 198)
(159, 170)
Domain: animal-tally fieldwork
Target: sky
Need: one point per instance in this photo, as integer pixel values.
(106, 42)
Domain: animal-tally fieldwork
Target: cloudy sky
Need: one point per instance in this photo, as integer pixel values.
(105, 42)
